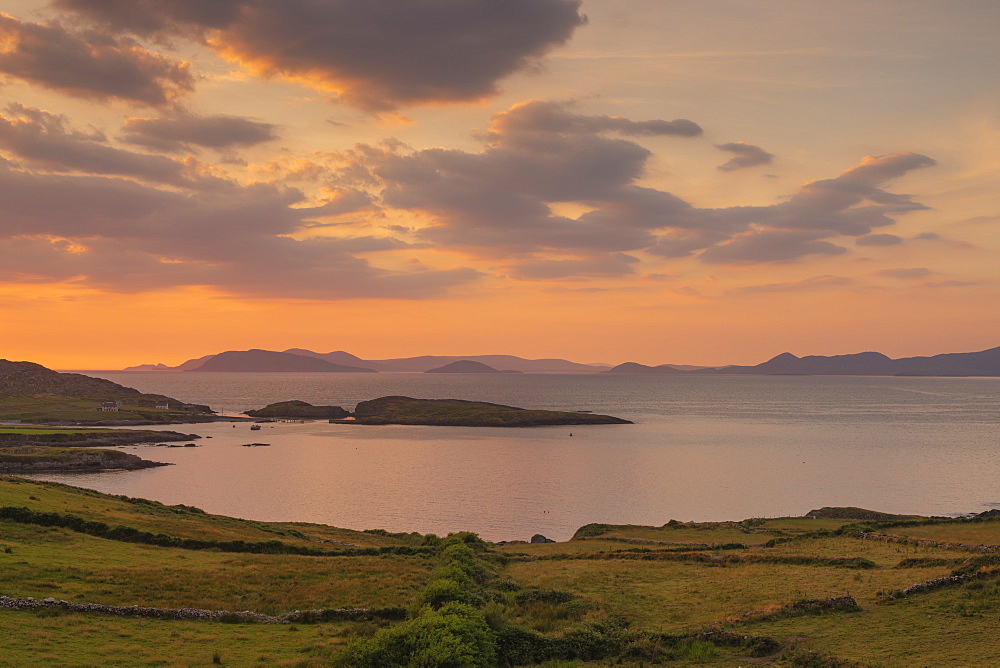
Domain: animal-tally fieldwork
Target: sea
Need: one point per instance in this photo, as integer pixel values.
(703, 448)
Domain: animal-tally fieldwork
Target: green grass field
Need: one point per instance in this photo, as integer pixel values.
(594, 600)
(49, 408)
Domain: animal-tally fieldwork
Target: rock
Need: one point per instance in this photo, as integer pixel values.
(539, 538)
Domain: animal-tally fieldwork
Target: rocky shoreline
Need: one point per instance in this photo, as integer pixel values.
(33, 459)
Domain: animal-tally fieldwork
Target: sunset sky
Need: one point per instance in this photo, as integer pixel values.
(662, 181)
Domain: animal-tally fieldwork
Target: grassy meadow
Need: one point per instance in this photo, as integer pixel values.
(789, 592)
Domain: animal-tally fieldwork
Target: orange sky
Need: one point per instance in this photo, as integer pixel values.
(699, 183)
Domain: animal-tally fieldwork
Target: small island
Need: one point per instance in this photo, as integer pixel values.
(460, 413)
(298, 410)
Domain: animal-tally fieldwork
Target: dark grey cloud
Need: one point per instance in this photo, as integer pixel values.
(499, 201)
(770, 246)
(124, 236)
(745, 155)
(46, 141)
(555, 118)
(150, 18)
(184, 131)
(379, 54)
(89, 64)
(503, 200)
(879, 240)
(905, 272)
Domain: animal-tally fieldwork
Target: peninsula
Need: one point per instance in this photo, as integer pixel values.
(25, 449)
(32, 393)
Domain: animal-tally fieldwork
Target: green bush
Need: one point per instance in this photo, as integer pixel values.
(456, 636)
(442, 591)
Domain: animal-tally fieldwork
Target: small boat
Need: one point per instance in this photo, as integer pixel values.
(255, 427)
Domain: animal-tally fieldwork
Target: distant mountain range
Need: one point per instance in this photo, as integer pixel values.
(299, 359)
(983, 363)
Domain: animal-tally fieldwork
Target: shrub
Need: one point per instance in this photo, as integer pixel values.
(694, 650)
(443, 591)
(456, 636)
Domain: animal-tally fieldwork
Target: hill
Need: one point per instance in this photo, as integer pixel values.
(84, 573)
(467, 366)
(33, 393)
(982, 363)
(269, 361)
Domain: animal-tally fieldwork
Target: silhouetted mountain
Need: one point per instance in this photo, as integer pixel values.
(337, 357)
(268, 361)
(467, 366)
(983, 363)
(186, 366)
(642, 369)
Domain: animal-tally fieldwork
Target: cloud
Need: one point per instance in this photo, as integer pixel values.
(904, 273)
(808, 284)
(497, 202)
(878, 240)
(378, 55)
(770, 246)
(746, 155)
(184, 131)
(123, 236)
(555, 117)
(502, 201)
(46, 141)
(952, 284)
(89, 64)
(615, 264)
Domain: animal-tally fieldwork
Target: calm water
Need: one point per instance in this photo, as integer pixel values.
(702, 448)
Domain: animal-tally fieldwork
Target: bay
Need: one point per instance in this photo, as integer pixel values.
(703, 448)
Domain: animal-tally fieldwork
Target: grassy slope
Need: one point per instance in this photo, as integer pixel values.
(943, 627)
(79, 640)
(180, 521)
(48, 408)
(43, 431)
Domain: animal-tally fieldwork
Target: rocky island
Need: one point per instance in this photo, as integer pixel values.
(298, 410)
(432, 412)
(460, 413)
